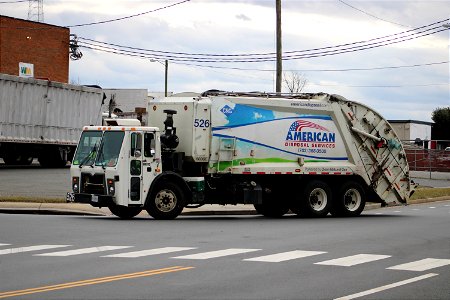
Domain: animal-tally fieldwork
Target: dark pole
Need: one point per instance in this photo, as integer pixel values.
(279, 49)
(165, 82)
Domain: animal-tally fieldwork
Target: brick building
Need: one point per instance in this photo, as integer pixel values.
(42, 47)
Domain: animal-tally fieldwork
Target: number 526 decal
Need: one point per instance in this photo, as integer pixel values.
(201, 123)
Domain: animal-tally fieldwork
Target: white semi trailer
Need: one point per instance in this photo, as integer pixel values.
(312, 154)
(43, 119)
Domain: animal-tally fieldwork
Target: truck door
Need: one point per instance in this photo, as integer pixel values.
(142, 165)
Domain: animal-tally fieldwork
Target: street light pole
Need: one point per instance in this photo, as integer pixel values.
(166, 72)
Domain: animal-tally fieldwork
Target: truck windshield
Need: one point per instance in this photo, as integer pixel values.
(87, 148)
(109, 151)
(103, 148)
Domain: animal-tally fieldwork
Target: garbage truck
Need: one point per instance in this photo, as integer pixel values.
(311, 154)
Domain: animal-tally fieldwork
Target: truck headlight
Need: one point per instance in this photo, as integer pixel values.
(111, 187)
(75, 184)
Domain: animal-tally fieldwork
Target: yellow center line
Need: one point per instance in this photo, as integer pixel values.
(92, 281)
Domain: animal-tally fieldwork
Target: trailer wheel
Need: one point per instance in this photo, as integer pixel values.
(166, 201)
(18, 159)
(316, 199)
(17, 155)
(350, 201)
(124, 212)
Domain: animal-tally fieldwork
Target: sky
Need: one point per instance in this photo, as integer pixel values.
(404, 81)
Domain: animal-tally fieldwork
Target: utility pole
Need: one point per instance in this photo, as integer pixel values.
(165, 81)
(279, 48)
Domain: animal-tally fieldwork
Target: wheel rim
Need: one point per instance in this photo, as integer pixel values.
(352, 199)
(318, 199)
(165, 200)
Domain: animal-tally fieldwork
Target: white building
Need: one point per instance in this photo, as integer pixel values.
(412, 130)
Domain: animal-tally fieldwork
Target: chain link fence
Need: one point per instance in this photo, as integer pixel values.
(429, 160)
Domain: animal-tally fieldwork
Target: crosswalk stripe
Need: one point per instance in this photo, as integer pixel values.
(30, 248)
(215, 254)
(83, 251)
(150, 252)
(386, 287)
(349, 261)
(4, 244)
(422, 265)
(284, 256)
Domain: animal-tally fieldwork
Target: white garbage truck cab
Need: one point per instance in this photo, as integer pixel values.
(312, 154)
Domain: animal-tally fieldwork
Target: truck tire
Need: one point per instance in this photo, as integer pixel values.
(316, 199)
(124, 212)
(350, 201)
(166, 201)
(17, 159)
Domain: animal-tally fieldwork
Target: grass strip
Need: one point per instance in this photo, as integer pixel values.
(427, 193)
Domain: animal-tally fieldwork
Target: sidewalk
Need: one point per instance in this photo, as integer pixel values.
(430, 175)
(86, 209)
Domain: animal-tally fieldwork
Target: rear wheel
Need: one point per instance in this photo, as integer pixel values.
(350, 201)
(316, 199)
(124, 212)
(166, 201)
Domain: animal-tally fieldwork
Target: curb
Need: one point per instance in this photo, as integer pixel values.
(86, 209)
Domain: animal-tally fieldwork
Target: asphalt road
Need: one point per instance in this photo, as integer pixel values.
(34, 181)
(388, 253)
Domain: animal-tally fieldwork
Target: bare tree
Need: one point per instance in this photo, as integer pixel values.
(294, 82)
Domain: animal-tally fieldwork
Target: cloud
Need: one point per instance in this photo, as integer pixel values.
(248, 26)
(243, 17)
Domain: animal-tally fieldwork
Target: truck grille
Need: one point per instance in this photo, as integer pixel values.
(93, 184)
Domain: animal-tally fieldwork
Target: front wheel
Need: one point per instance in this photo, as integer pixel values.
(124, 212)
(316, 199)
(351, 200)
(166, 201)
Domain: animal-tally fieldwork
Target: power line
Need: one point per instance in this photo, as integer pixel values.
(128, 17)
(385, 86)
(270, 56)
(100, 46)
(371, 15)
(317, 70)
(17, 1)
